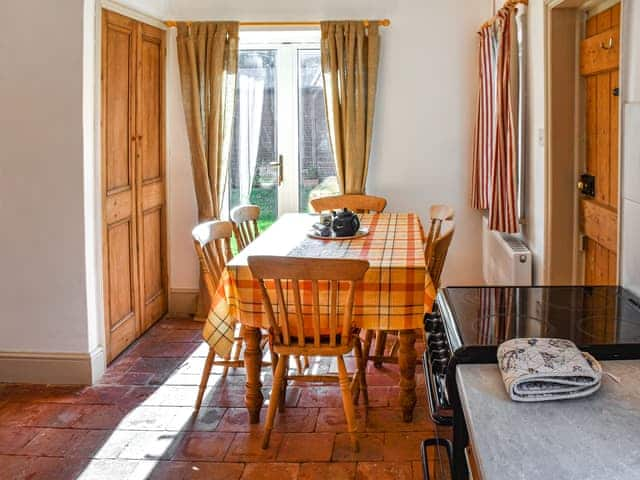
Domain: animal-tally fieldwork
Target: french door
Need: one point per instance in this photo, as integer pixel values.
(281, 154)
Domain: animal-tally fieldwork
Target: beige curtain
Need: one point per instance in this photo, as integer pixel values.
(208, 58)
(350, 55)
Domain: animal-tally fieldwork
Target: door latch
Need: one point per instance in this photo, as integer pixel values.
(587, 185)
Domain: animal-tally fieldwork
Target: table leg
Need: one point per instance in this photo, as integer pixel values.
(252, 362)
(381, 343)
(407, 361)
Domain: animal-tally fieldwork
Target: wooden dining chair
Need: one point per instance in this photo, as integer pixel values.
(245, 224)
(439, 214)
(245, 230)
(212, 241)
(320, 327)
(439, 251)
(356, 203)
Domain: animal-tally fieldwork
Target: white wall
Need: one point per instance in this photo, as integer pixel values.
(534, 230)
(156, 9)
(424, 117)
(182, 212)
(630, 212)
(42, 267)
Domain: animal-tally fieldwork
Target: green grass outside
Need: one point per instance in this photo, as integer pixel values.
(267, 200)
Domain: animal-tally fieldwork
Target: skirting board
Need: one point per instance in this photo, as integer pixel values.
(183, 302)
(52, 368)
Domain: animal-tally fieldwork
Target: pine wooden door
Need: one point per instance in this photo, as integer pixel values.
(151, 174)
(599, 64)
(133, 178)
(120, 236)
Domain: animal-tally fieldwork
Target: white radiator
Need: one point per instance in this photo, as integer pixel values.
(506, 260)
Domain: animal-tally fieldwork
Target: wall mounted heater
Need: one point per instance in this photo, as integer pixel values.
(506, 260)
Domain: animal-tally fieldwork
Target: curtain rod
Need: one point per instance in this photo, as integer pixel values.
(508, 3)
(384, 23)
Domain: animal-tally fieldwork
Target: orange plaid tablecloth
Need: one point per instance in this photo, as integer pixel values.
(396, 290)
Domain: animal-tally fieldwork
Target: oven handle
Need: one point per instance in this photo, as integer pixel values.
(437, 442)
(435, 416)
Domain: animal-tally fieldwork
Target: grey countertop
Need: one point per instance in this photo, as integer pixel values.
(597, 437)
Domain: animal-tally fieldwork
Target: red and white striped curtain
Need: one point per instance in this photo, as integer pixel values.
(494, 155)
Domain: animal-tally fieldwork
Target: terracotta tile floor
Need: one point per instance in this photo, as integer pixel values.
(138, 423)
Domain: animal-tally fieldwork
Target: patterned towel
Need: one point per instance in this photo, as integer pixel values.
(542, 369)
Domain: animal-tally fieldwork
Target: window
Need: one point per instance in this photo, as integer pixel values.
(281, 154)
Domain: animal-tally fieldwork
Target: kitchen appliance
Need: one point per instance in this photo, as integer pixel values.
(468, 324)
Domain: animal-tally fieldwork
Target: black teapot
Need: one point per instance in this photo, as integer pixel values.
(345, 223)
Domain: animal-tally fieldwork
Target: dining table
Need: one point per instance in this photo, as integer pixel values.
(396, 291)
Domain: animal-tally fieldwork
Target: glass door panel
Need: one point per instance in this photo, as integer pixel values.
(316, 167)
(254, 177)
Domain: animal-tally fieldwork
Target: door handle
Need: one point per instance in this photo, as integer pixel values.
(280, 165)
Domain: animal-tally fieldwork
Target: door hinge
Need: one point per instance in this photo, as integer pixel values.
(616, 92)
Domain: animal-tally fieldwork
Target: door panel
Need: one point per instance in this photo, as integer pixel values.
(119, 195)
(151, 83)
(151, 180)
(121, 281)
(599, 65)
(255, 169)
(120, 46)
(152, 247)
(154, 291)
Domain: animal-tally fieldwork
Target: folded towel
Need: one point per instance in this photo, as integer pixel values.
(541, 369)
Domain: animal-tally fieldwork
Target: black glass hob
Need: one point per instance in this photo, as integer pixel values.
(604, 319)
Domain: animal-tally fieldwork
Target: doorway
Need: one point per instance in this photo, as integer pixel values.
(583, 61)
(281, 153)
